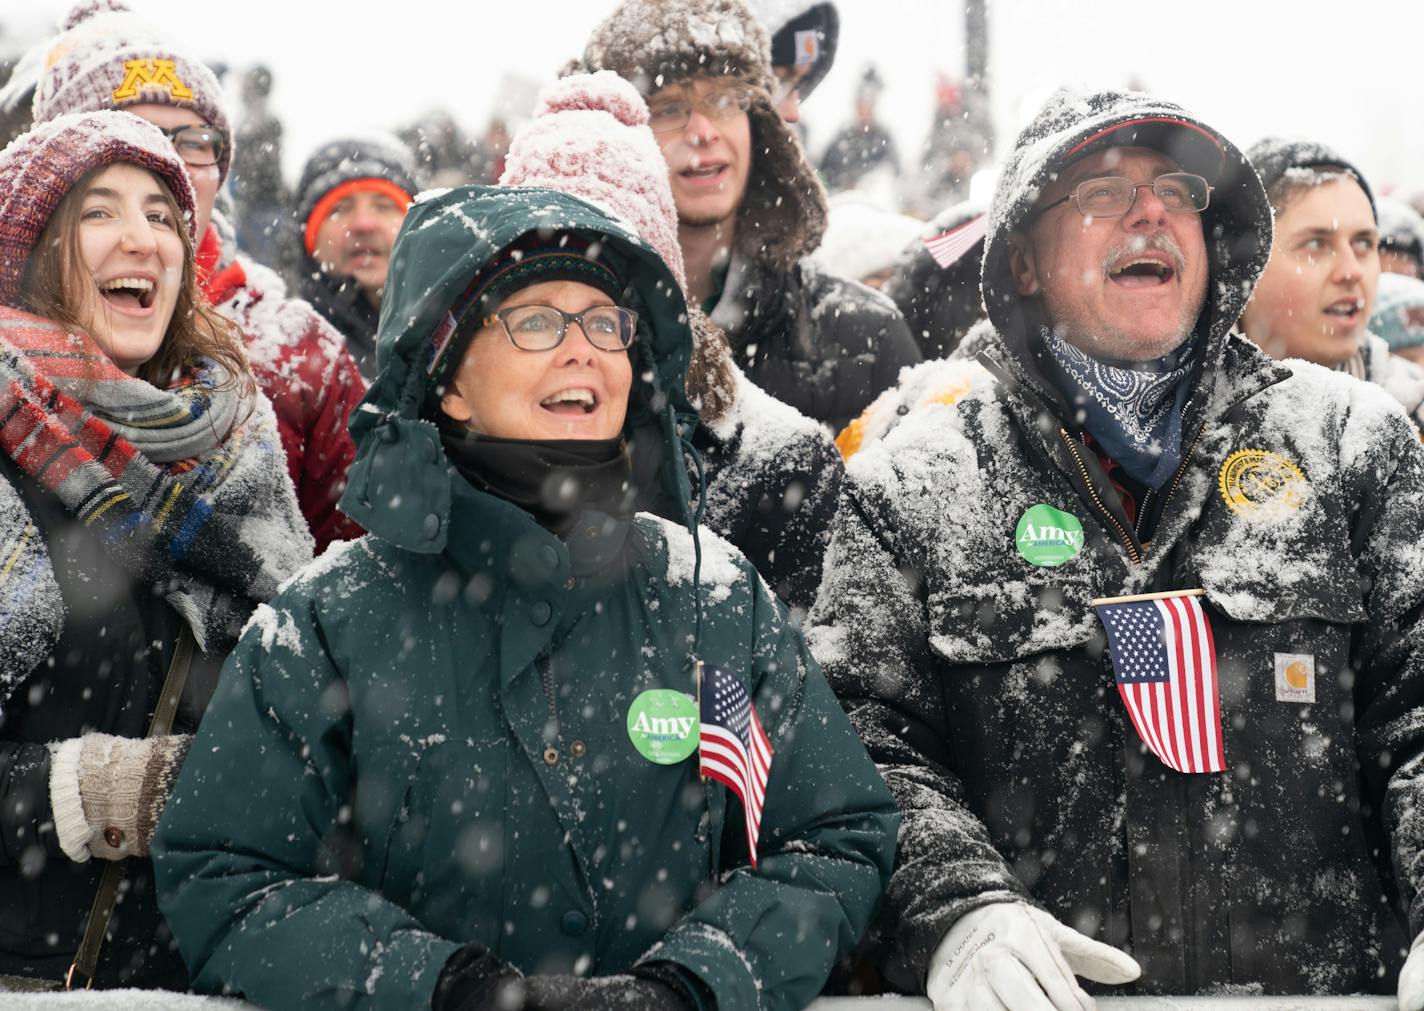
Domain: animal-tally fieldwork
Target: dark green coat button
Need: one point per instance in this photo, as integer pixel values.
(430, 527)
(574, 923)
(549, 555)
(540, 612)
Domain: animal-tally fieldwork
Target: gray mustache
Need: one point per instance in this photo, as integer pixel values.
(1134, 247)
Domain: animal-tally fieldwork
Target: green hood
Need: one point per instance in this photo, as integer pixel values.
(399, 486)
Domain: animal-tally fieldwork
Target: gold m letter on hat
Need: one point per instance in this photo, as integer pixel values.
(160, 74)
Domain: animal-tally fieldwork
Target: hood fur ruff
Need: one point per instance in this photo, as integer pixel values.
(653, 43)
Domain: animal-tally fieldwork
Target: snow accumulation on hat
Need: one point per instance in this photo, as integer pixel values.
(40, 167)
(1280, 159)
(107, 57)
(590, 138)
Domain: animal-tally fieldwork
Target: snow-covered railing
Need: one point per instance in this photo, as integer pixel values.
(152, 1000)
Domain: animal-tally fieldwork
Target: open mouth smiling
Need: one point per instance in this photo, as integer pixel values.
(575, 402)
(1142, 272)
(129, 293)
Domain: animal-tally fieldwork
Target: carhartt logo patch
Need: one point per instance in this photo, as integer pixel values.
(141, 74)
(1295, 677)
(1047, 536)
(1255, 482)
(808, 47)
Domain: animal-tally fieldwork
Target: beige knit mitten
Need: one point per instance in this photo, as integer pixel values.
(108, 792)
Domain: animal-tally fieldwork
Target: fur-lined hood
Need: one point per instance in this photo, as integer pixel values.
(653, 43)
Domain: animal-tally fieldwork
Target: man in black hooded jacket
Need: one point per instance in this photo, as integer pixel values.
(351, 200)
(1166, 454)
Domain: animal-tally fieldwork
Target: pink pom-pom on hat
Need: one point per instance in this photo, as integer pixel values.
(589, 138)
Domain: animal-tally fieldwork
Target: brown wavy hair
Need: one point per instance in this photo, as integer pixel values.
(195, 329)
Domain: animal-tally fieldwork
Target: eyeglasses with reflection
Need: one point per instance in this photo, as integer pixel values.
(198, 146)
(1113, 196)
(543, 327)
(673, 112)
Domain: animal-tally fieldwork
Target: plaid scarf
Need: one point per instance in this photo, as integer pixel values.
(186, 487)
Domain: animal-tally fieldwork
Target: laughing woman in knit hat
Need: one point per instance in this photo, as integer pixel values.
(468, 745)
(144, 510)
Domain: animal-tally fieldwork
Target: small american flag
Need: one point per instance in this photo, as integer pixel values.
(734, 749)
(1164, 660)
(948, 247)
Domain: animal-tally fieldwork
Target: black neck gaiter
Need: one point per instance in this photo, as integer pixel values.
(551, 479)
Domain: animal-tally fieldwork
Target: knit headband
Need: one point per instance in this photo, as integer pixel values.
(516, 268)
(328, 203)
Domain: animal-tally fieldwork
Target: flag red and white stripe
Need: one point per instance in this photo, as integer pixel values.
(734, 749)
(948, 247)
(1164, 661)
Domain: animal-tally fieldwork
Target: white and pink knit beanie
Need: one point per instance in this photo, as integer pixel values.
(107, 57)
(589, 138)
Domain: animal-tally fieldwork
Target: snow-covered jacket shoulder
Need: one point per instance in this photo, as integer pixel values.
(979, 682)
(941, 381)
(773, 479)
(303, 366)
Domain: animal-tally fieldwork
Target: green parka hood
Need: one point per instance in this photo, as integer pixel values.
(399, 486)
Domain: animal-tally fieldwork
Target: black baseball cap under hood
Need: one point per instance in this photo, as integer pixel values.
(1072, 125)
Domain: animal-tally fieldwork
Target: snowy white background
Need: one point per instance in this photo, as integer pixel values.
(1345, 73)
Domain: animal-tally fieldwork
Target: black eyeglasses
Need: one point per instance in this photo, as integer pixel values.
(543, 327)
(1113, 196)
(198, 146)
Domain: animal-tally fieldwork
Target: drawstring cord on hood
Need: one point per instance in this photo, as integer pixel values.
(689, 450)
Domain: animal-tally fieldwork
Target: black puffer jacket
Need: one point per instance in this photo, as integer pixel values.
(981, 685)
(345, 306)
(825, 345)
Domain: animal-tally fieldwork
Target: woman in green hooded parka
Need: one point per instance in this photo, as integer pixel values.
(455, 764)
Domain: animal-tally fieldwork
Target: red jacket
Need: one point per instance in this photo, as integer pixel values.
(303, 366)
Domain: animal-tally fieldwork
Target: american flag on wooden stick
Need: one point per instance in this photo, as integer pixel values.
(733, 748)
(948, 247)
(1164, 661)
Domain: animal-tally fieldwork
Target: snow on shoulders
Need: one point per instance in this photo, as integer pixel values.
(343, 569)
(277, 627)
(1363, 414)
(838, 296)
(767, 424)
(722, 564)
(940, 382)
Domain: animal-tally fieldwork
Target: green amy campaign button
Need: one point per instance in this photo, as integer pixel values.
(1048, 536)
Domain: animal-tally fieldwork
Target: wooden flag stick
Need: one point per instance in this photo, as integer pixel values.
(1147, 596)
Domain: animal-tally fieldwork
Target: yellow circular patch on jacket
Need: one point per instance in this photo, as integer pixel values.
(1297, 676)
(1255, 480)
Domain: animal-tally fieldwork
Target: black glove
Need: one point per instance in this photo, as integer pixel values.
(475, 980)
(604, 993)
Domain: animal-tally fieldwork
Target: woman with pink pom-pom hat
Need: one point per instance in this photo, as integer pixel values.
(525, 746)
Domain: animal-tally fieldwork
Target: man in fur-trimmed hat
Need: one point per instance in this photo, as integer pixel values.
(750, 208)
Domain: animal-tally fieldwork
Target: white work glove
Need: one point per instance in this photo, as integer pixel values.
(1411, 978)
(1010, 956)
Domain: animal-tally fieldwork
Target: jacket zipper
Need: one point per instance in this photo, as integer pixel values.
(546, 676)
(1125, 537)
(1183, 468)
